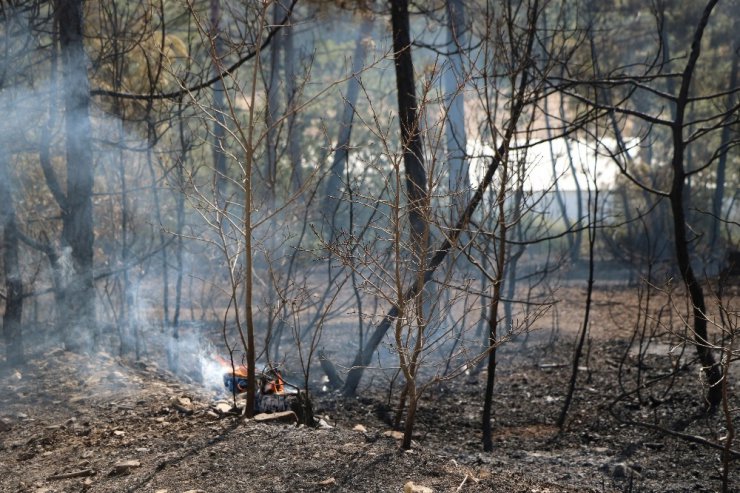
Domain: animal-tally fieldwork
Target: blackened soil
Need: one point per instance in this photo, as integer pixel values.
(80, 423)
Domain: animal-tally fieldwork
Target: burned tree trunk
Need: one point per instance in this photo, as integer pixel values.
(292, 95)
(12, 318)
(696, 293)
(586, 314)
(272, 109)
(77, 212)
(413, 158)
(416, 195)
(454, 82)
(712, 369)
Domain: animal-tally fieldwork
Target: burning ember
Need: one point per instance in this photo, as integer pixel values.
(235, 379)
(272, 395)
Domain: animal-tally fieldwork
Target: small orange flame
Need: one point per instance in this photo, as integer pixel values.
(276, 386)
(271, 382)
(238, 370)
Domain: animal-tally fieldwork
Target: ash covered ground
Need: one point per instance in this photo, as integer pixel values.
(101, 424)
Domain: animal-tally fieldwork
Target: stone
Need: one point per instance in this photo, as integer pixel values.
(223, 407)
(625, 471)
(398, 435)
(410, 487)
(182, 404)
(360, 428)
(124, 467)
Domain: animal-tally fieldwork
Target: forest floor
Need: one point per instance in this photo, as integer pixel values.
(73, 423)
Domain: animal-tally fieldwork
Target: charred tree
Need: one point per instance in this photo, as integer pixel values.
(77, 209)
(454, 82)
(292, 94)
(272, 109)
(416, 188)
(682, 127)
(12, 318)
(520, 80)
(363, 358)
(411, 139)
(13, 281)
(493, 322)
(179, 238)
(578, 352)
(676, 196)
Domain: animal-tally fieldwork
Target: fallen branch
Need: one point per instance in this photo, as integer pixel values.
(735, 454)
(84, 473)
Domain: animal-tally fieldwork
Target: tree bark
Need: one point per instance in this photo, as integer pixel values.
(586, 315)
(411, 139)
(77, 216)
(294, 123)
(12, 318)
(455, 133)
(486, 427)
(272, 110)
(712, 369)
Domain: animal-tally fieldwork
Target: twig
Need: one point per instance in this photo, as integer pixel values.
(463, 483)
